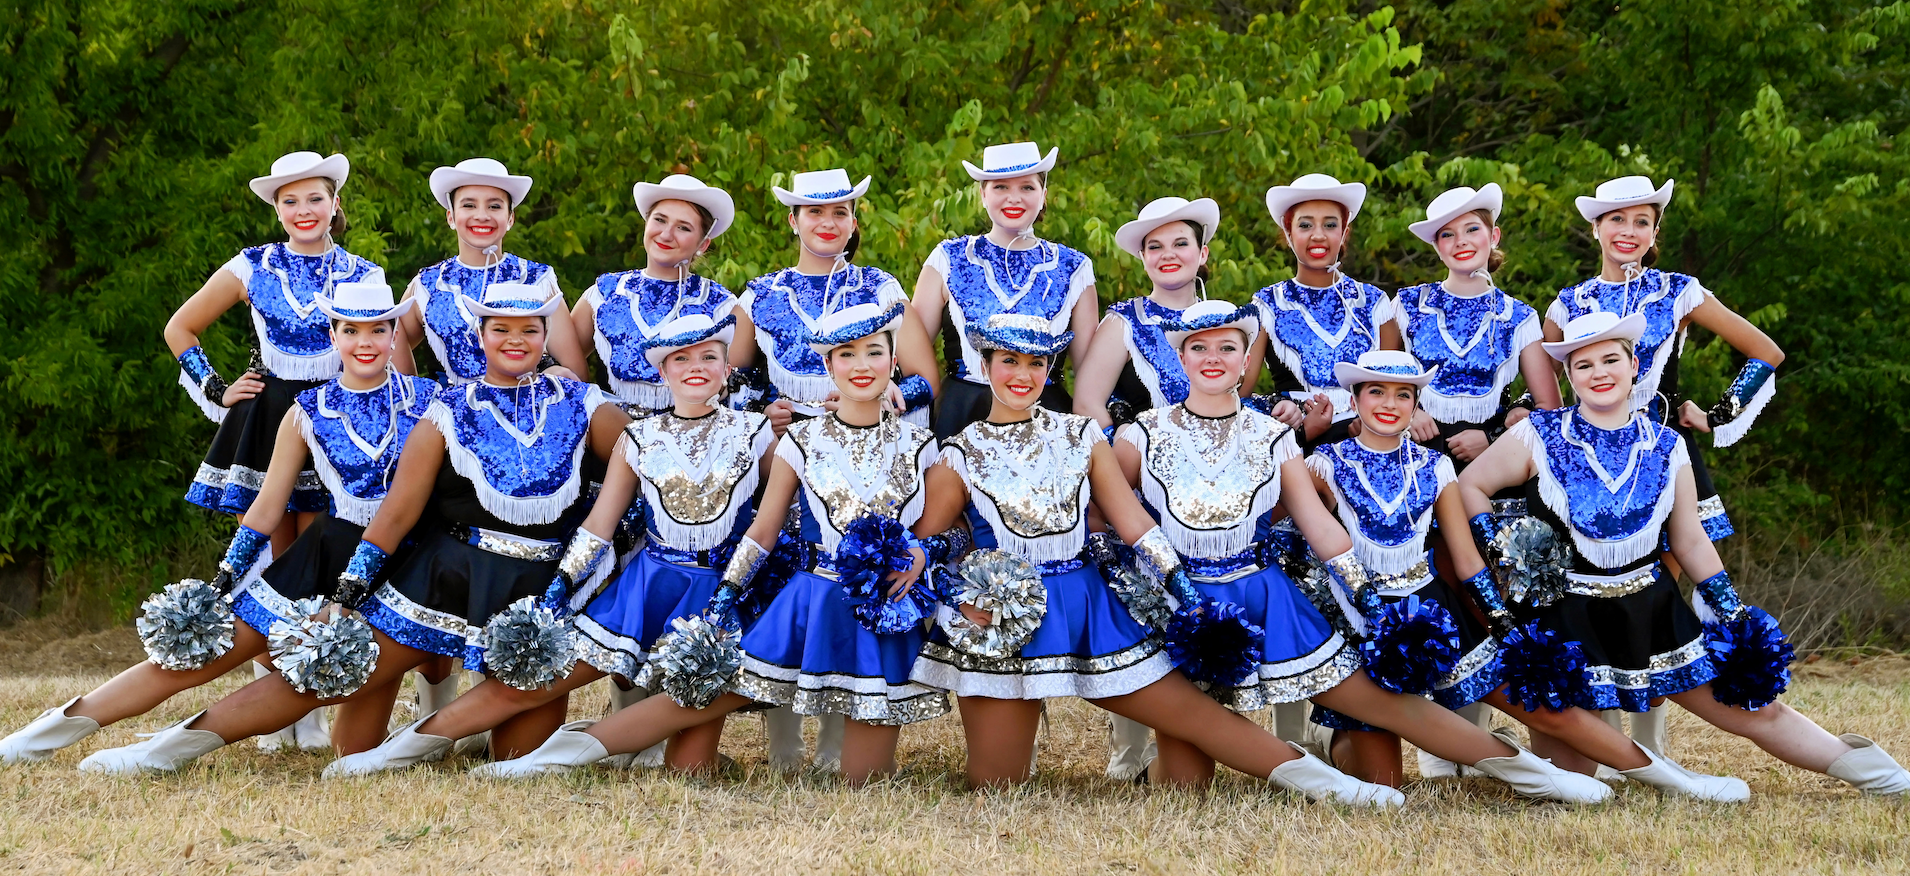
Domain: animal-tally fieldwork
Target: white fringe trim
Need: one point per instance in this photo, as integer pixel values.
(213, 412)
(287, 366)
(651, 396)
(1729, 433)
(344, 504)
(1702, 607)
(1461, 408)
(525, 510)
(1210, 542)
(1603, 553)
(810, 388)
(1036, 549)
(1376, 557)
(423, 297)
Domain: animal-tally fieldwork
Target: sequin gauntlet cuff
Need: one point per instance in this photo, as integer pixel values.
(246, 546)
(1485, 591)
(916, 393)
(1743, 389)
(354, 586)
(1160, 553)
(946, 547)
(1357, 582)
(1484, 527)
(744, 564)
(579, 563)
(199, 373)
(1722, 595)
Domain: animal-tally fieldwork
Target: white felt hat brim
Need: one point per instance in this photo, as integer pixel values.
(1438, 215)
(721, 206)
(549, 307)
(1046, 164)
(329, 308)
(1593, 207)
(334, 167)
(1629, 328)
(1351, 195)
(1201, 211)
(445, 182)
(791, 199)
(1350, 375)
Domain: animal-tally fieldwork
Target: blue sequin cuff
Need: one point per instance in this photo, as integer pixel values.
(355, 584)
(246, 546)
(1723, 597)
(916, 393)
(200, 372)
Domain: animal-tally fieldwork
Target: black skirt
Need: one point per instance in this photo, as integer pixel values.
(234, 469)
(439, 594)
(1477, 673)
(310, 567)
(1639, 646)
(963, 402)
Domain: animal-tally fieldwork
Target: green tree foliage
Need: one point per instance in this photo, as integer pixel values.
(127, 132)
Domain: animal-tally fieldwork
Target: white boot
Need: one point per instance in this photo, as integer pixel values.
(1290, 722)
(568, 748)
(1432, 766)
(784, 728)
(829, 743)
(650, 758)
(432, 697)
(1869, 768)
(50, 732)
(1534, 776)
(312, 732)
(1131, 748)
(1648, 729)
(165, 752)
(286, 738)
(405, 748)
(1615, 718)
(1320, 783)
(1668, 776)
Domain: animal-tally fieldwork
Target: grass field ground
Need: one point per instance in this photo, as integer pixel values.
(243, 811)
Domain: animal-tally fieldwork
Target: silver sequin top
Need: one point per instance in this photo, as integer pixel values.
(848, 471)
(696, 474)
(1029, 480)
(1210, 479)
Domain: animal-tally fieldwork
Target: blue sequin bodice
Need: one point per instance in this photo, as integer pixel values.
(282, 286)
(787, 304)
(985, 279)
(356, 436)
(1389, 493)
(451, 328)
(1309, 329)
(519, 446)
(1616, 484)
(1664, 298)
(630, 307)
(1155, 361)
(1474, 341)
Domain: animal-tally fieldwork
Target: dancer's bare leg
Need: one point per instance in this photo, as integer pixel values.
(270, 703)
(1586, 734)
(694, 750)
(364, 719)
(1419, 720)
(655, 719)
(1783, 732)
(1179, 763)
(1369, 756)
(521, 733)
(140, 689)
(491, 702)
(1561, 753)
(868, 752)
(1001, 739)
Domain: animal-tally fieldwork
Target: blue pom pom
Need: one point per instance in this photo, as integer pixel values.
(1752, 657)
(1542, 670)
(1415, 643)
(1214, 643)
(873, 546)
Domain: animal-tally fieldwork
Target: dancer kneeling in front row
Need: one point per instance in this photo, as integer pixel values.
(815, 647)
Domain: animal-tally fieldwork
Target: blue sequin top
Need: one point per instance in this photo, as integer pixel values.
(1613, 488)
(1310, 329)
(520, 447)
(356, 436)
(787, 304)
(1155, 362)
(1385, 499)
(629, 308)
(985, 279)
(282, 286)
(451, 329)
(1663, 297)
(1474, 341)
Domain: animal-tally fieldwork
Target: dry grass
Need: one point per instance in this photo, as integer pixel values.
(242, 811)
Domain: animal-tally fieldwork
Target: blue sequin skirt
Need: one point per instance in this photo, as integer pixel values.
(234, 468)
(310, 567)
(1477, 673)
(1087, 646)
(1303, 655)
(808, 652)
(1640, 646)
(438, 596)
(617, 628)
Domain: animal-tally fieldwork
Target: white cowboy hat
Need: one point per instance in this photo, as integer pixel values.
(1594, 327)
(1625, 191)
(1316, 187)
(851, 324)
(367, 300)
(1011, 160)
(1019, 333)
(478, 172)
(820, 187)
(683, 187)
(1209, 315)
(515, 299)
(296, 166)
(687, 331)
(1383, 366)
(1161, 211)
(1454, 203)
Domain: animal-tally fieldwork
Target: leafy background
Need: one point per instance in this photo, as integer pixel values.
(127, 131)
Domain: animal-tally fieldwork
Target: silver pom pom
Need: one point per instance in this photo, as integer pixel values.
(697, 659)
(1316, 583)
(185, 626)
(1005, 586)
(527, 647)
(330, 659)
(1532, 562)
(1144, 599)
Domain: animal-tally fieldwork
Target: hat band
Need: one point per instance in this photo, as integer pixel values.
(1393, 369)
(515, 304)
(1021, 340)
(366, 313)
(1010, 169)
(824, 196)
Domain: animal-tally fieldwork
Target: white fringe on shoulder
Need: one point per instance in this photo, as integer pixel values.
(1376, 557)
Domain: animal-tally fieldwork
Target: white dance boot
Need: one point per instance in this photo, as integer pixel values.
(784, 729)
(1320, 783)
(1648, 729)
(570, 747)
(1131, 748)
(1432, 766)
(50, 732)
(1534, 776)
(829, 743)
(165, 752)
(1668, 776)
(432, 697)
(1869, 768)
(650, 758)
(405, 748)
(309, 733)
(1290, 721)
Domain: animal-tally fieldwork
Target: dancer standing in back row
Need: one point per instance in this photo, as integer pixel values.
(1010, 270)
